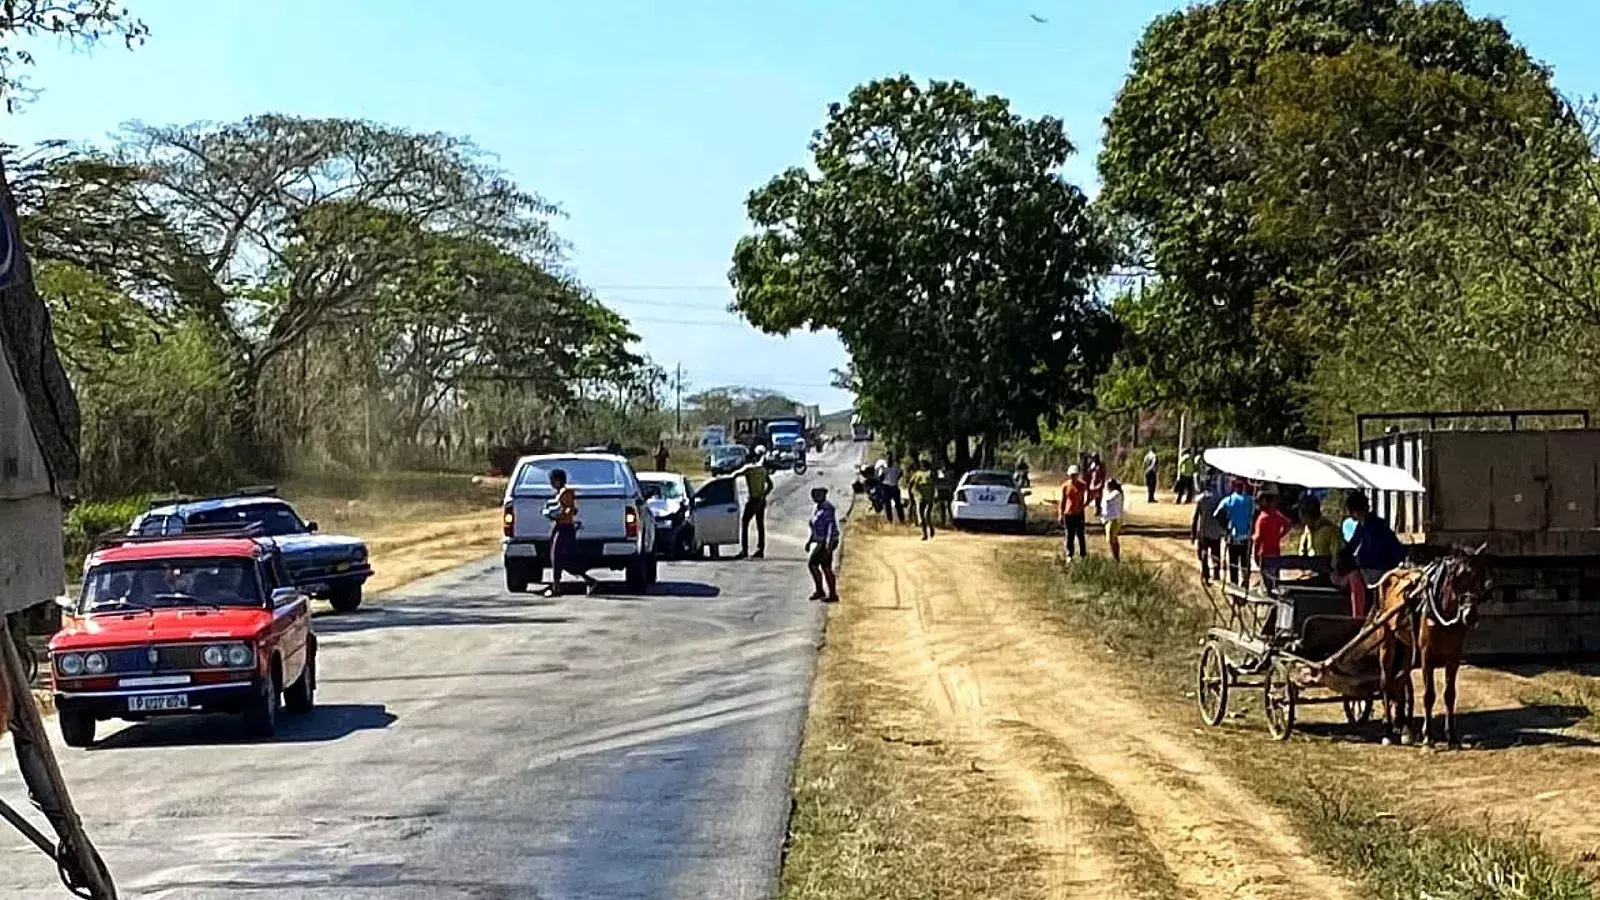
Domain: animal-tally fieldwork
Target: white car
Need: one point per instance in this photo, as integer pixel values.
(615, 527)
(688, 523)
(989, 497)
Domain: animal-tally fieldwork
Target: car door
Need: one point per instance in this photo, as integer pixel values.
(291, 623)
(716, 512)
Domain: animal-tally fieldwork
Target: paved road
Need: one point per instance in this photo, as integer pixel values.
(472, 744)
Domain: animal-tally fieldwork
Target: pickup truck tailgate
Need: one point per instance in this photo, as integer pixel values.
(601, 516)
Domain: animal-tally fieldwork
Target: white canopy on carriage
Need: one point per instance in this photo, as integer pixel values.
(1286, 465)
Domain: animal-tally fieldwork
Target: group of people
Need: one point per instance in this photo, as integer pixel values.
(1078, 493)
(821, 544)
(931, 488)
(1246, 528)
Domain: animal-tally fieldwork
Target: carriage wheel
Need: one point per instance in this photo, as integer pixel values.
(1213, 684)
(1358, 712)
(1277, 696)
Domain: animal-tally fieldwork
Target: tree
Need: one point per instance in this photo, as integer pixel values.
(82, 22)
(1180, 162)
(937, 236)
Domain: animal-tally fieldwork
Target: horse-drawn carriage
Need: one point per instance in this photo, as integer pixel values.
(1291, 634)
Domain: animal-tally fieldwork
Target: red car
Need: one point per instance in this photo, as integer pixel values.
(174, 625)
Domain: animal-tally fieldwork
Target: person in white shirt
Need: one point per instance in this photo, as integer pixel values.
(894, 506)
(1111, 516)
(1150, 467)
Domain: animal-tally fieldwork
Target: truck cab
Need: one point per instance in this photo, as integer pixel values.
(616, 529)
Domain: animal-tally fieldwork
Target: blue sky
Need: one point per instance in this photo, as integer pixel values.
(648, 123)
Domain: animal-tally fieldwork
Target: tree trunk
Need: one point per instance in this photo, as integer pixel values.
(963, 453)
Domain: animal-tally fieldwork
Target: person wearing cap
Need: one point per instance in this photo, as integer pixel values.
(823, 540)
(1074, 500)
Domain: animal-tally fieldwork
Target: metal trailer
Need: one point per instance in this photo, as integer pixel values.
(1531, 495)
(1294, 641)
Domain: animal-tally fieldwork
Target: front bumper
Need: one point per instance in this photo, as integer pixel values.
(231, 697)
(323, 579)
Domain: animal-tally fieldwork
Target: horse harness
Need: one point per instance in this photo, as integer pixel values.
(1427, 595)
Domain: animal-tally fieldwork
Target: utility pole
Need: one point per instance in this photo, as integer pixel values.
(677, 389)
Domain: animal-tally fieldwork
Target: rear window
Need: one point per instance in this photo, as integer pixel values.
(594, 474)
(275, 519)
(990, 479)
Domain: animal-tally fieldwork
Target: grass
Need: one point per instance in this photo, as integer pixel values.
(883, 810)
(1140, 612)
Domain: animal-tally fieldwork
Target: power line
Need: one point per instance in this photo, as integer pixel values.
(660, 287)
(666, 304)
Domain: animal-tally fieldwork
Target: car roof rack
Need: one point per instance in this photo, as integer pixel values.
(259, 490)
(118, 538)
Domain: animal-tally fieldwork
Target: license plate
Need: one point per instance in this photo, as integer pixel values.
(985, 498)
(158, 704)
(619, 550)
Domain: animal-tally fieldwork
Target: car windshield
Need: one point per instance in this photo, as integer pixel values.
(274, 519)
(990, 479)
(581, 473)
(156, 584)
(729, 455)
(665, 489)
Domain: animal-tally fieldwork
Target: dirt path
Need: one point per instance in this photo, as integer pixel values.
(1122, 806)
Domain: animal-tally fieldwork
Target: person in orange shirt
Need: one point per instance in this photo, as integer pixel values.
(1074, 499)
(1271, 527)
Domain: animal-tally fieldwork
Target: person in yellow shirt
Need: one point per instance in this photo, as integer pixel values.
(1321, 538)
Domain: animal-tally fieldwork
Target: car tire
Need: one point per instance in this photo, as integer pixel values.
(687, 548)
(345, 599)
(714, 551)
(261, 717)
(636, 576)
(302, 695)
(517, 579)
(77, 727)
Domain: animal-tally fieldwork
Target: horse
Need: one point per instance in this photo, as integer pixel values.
(1428, 611)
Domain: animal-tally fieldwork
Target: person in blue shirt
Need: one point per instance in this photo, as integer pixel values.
(1373, 549)
(1237, 513)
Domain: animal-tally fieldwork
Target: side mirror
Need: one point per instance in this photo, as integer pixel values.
(311, 527)
(284, 596)
(68, 603)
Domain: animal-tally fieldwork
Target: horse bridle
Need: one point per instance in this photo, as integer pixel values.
(1436, 578)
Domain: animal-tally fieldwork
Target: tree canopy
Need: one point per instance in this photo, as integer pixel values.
(937, 236)
(1262, 148)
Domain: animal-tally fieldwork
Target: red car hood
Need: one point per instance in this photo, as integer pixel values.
(121, 629)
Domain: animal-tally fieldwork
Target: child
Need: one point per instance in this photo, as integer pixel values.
(1111, 515)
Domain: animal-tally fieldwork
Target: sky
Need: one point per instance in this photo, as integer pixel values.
(648, 123)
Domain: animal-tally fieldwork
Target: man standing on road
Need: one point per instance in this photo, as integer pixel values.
(759, 484)
(1150, 470)
(894, 507)
(1207, 533)
(820, 545)
(662, 457)
(944, 491)
(562, 511)
(1074, 500)
(920, 481)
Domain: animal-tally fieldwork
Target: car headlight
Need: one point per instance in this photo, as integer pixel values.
(239, 656)
(95, 663)
(213, 655)
(70, 664)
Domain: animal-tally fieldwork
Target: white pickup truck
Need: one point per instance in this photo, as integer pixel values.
(615, 527)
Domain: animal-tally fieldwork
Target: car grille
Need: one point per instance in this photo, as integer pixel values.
(131, 660)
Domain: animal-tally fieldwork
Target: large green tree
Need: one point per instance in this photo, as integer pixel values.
(1225, 147)
(936, 234)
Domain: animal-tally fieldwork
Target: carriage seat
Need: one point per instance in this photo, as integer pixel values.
(1321, 636)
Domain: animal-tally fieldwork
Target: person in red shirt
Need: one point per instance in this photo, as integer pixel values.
(1271, 527)
(1074, 499)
